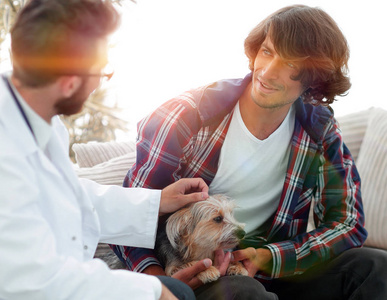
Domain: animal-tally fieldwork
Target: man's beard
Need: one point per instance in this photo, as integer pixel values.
(273, 105)
(73, 104)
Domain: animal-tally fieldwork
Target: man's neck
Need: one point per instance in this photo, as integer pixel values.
(37, 98)
(261, 122)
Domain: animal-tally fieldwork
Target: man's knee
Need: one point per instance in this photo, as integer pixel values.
(366, 261)
(369, 267)
(177, 287)
(234, 287)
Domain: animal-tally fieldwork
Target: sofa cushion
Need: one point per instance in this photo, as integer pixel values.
(372, 166)
(353, 127)
(93, 153)
(111, 172)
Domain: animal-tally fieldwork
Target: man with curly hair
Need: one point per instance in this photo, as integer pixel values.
(271, 142)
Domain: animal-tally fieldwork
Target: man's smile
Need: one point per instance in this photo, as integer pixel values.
(266, 87)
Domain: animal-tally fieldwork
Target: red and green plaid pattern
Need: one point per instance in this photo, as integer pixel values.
(183, 138)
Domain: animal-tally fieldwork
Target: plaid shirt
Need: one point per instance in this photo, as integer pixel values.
(183, 138)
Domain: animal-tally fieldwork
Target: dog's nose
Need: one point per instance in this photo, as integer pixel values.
(240, 233)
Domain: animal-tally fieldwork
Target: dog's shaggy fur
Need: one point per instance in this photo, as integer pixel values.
(195, 232)
(192, 234)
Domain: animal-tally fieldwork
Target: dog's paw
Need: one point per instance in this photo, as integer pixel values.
(209, 275)
(237, 268)
(170, 270)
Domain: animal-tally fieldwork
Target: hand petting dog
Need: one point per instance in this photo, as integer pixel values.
(194, 243)
(181, 193)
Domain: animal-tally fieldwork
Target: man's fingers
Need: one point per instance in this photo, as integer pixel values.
(188, 275)
(194, 190)
(218, 257)
(195, 185)
(181, 193)
(190, 272)
(202, 186)
(195, 197)
(222, 261)
(238, 255)
(248, 253)
(200, 266)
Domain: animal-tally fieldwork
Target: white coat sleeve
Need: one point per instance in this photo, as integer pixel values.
(32, 266)
(128, 216)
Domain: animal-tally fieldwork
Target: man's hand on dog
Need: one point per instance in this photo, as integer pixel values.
(181, 193)
(254, 260)
(222, 261)
(189, 275)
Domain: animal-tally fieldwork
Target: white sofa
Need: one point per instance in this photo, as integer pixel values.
(364, 132)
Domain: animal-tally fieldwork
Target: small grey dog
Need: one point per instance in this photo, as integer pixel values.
(194, 233)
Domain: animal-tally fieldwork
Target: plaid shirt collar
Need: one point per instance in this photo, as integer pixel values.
(218, 99)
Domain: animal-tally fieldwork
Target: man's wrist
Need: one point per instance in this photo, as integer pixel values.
(154, 270)
(265, 259)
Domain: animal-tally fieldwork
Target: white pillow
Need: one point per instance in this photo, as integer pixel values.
(93, 153)
(111, 172)
(353, 127)
(372, 166)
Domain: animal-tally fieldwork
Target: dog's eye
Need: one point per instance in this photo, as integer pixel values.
(218, 219)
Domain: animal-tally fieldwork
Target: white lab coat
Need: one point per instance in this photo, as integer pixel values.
(51, 222)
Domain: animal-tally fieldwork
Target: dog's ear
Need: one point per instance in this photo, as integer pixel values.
(178, 225)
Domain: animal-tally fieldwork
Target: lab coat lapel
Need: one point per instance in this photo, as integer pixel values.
(57, 160)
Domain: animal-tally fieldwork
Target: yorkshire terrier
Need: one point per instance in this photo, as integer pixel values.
(195, 232)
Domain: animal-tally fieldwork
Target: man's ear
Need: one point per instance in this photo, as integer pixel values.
(68, 85)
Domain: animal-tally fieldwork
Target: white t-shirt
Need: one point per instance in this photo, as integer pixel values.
(252, 171)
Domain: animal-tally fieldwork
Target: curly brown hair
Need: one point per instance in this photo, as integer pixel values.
(311, 36)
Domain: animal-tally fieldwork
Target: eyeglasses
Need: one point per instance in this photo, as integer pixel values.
(106, 76)
(106, 73)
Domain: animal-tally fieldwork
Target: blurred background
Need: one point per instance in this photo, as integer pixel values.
(165, 47)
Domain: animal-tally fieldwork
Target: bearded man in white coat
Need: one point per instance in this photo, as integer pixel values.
(50, 221)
